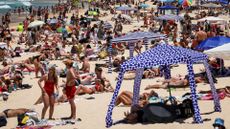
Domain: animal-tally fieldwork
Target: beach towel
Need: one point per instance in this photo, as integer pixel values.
(35, 127)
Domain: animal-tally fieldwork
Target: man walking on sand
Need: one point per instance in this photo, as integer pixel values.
(70, 89)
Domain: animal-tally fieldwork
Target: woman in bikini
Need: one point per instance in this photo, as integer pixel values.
(48, 91)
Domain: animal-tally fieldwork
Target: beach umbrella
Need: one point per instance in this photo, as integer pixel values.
(213, 42)
(211, 5)
(68, 28)
(36, 23)
(106, 25)
(187, 3)
(169, 17)
(53, 21)
(3, 45)
(210, 19)
(144, 6)
(220, 52)
(125, 8)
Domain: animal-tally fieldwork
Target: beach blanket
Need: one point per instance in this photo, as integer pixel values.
(35, 127)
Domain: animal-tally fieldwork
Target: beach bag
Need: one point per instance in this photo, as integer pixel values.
(3, 121)
(159, 113)
(29, 118)
(186, 109)
(22, 119)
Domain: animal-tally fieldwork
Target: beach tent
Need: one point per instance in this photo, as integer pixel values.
(168, 7)
(131, 38)
(213, 42)
(170, 17)
(222, 52)
(211, 18)
(164, 55)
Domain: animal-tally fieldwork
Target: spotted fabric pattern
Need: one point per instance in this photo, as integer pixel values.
(164, 56)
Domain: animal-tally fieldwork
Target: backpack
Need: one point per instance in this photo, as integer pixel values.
(3, 121)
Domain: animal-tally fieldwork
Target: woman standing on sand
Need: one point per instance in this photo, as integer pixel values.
(48, 94)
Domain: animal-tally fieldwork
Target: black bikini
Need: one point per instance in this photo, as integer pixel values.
(6, 112)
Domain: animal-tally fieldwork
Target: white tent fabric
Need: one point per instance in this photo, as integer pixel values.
(211, 19)
(220, 52)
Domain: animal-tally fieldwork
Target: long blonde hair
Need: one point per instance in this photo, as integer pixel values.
(54, 76)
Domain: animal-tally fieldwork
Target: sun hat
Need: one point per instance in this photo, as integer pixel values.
(219, 122)
(68, 62)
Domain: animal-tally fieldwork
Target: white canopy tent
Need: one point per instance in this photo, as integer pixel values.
(216, 20)
(220, 52)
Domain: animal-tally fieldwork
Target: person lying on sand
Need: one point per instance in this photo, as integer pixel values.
(126, 98)
(8, 113)
(177, 82)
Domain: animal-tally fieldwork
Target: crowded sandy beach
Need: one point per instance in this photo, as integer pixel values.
(115, 64)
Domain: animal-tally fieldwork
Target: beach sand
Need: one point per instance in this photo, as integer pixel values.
(93, 111)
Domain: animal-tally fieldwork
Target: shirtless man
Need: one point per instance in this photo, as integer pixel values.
(70, 89)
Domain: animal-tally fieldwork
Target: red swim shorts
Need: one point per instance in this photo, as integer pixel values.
(70, 92)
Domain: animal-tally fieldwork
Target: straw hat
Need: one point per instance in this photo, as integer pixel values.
(68, 62)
